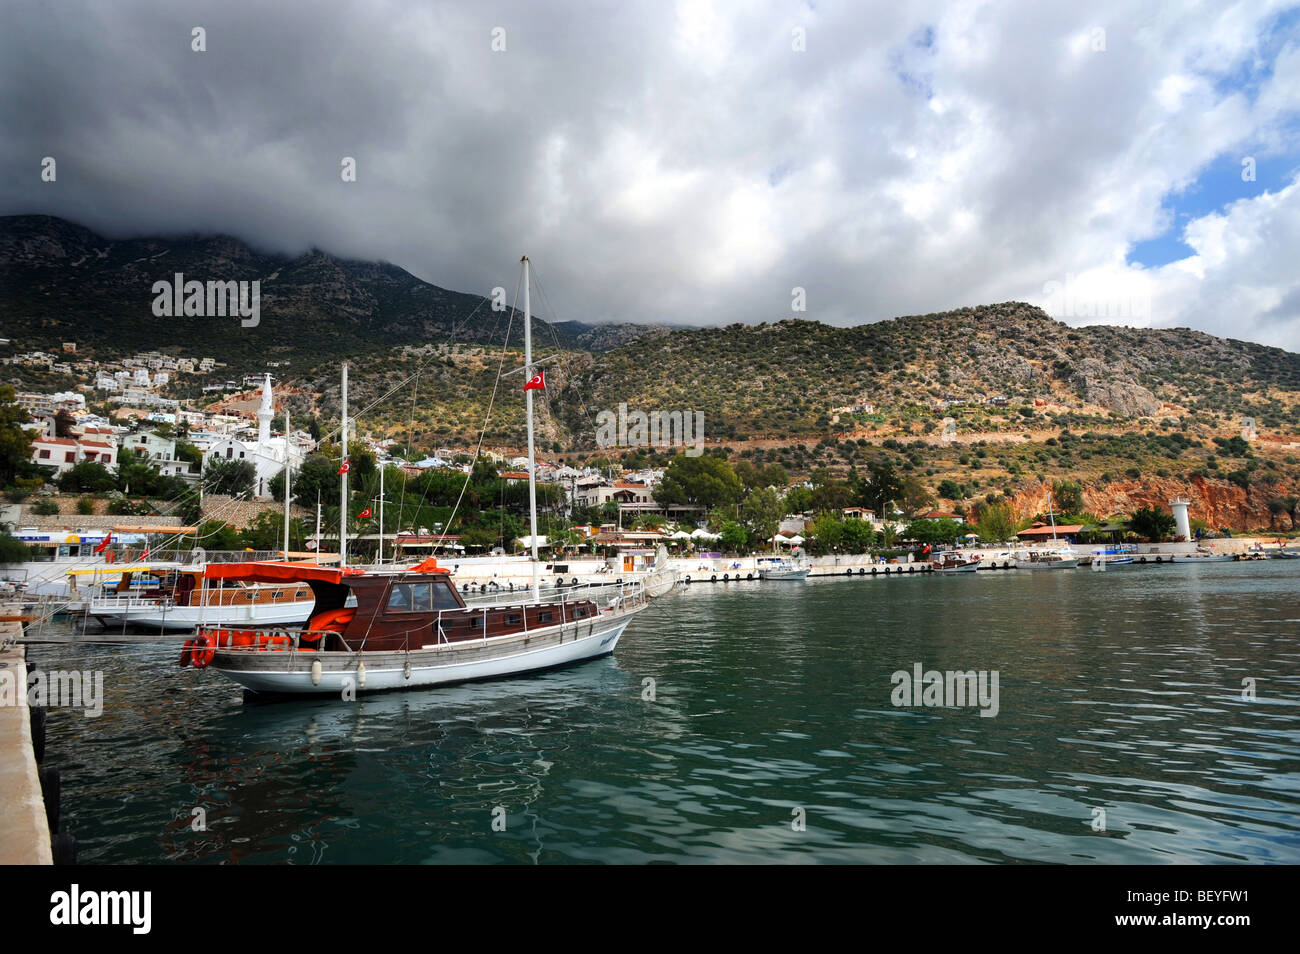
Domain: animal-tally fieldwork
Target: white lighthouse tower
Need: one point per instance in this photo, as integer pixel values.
(1183, 527)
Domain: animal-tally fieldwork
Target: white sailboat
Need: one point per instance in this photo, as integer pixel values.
(1056, 557)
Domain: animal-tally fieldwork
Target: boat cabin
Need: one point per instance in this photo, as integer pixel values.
(392, 612)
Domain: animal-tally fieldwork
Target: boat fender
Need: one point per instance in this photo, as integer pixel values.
(1160, 559)
(63, 848)
(202, 654)
(361, 675)
(749, 576)
(849, 571)
(861, 571)
(406, 670)
(38, 732)
(714, 578)
(688, 579)
(575, 581)
(51, 782)
(1143, 560)
(186, 653)
(315, 672)
(873, 571)
(911, 569)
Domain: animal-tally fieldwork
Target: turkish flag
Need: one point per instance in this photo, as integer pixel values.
(537, 382)
(108, 538)
(145, 555)
(363, 514)
(345, 468)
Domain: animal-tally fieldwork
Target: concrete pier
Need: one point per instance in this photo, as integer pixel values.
(24, 830)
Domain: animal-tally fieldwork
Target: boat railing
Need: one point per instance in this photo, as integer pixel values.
(135, 601)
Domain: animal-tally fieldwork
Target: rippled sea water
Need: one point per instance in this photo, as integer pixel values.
(771, 737)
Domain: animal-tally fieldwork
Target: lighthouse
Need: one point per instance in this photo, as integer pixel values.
(1183, 528)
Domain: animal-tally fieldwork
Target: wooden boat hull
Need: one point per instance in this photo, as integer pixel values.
(290, 672)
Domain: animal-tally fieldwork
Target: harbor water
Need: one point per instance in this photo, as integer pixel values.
(1141, 715)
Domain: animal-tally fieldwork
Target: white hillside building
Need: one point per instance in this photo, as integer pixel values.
(267, 454)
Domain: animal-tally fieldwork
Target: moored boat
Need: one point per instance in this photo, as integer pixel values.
(782, 570)
(407, 629)
(179, 599)
(952, 563)
(1060, 558)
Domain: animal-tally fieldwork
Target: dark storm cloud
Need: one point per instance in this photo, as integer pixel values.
(667, 163)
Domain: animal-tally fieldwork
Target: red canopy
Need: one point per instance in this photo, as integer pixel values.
(278, 572)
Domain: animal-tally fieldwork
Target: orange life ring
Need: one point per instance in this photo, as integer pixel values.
(186, 653)
(203, 652)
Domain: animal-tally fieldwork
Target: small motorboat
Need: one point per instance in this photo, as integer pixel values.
(952, 563)
(783, 570)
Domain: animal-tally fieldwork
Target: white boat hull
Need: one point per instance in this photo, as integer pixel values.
(795, 574)
(184, 618)
(1070, 564)
(290, 672)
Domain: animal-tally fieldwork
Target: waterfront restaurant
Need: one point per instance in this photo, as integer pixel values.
(1041, 533)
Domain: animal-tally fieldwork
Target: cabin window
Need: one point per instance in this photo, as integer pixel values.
(513, 619)
(579, 613)
(545, 617)
(443, 597)
(475, 622)
(399, 598)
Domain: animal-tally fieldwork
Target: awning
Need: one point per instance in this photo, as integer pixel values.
(429, 565)
(278, 572)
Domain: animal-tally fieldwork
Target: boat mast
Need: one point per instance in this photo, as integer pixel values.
(286, 482)
(528, 401)
(1051, 516)
(343, 506)
(381, 514)
(318, 524)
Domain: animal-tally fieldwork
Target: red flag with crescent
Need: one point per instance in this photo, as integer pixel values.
(345, 467)
(363, 514)
(537, 382)
(103, 545)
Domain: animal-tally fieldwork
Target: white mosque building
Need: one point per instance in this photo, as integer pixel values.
(267, 454)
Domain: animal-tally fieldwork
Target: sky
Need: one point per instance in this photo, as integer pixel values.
(697, 163)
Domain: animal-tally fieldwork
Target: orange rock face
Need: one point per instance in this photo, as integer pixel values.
(1217, 502)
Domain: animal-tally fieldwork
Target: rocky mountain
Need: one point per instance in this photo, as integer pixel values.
(62, 282)
(789, 378)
